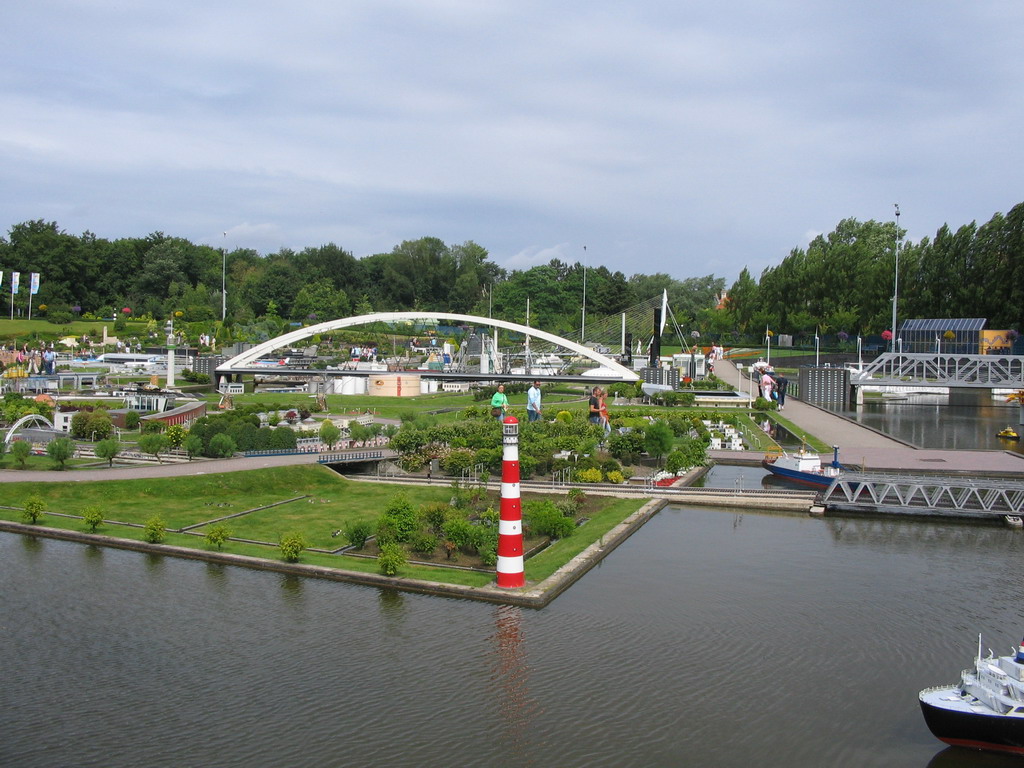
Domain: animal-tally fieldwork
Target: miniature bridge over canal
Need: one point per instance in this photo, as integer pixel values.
(968, 498)
(942, 370)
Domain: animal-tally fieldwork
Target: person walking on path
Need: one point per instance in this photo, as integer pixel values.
(767, 384)
(499, 404)
(781, 383)
(533, 402)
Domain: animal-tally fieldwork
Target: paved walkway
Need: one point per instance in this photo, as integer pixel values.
(861, 446)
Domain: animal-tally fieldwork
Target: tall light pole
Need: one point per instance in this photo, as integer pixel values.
(583, 327)
(896, 277)
(224, 280)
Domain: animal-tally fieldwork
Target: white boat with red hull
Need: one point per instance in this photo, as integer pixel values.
(985, 710)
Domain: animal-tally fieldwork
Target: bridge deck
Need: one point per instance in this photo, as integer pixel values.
(942, 370)
(968, 498)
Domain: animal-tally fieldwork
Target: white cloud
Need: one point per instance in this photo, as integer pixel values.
(668, 137)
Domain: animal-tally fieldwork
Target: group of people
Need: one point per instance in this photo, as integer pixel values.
(772, 386)
(364, 353)
(499, 403)
(41, 359)
(597, 406)
(597, 409)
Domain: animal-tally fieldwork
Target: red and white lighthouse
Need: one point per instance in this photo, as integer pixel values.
(510, 524)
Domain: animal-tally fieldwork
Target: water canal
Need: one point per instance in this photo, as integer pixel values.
(710, 638)
(928, 421)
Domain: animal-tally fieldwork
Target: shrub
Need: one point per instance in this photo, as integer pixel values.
(458, 531)
(153, 531)
(563, 416)
(566, 507)
(60, 450)
(626, 447)
(546, 519)
(80, 424)
(217, 535)
(92, 516)
(291, 546)
(153, 444)
(98, 426)
(34, 509)
(152, 427)
(658, 439)
(398, 519)
(195, 378)
(589, 475)
(577, 496)
(357, 534)
(20, 451)
(193, 446)
(616, 477)
(423, 543)
(390, 559)
(131, 419)
(675, 461)
(485, 539)
(434, 515)
(108, 449)
(221, 446)
(176, 435)
(329, 433)
(456, 461)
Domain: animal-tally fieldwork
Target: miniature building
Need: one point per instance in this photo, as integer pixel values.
(956, 336)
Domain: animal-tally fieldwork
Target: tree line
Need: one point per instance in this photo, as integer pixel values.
(841, 282)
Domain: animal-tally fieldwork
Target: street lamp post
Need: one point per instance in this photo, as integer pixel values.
(583, 326)
(224, 280)
(896, 277)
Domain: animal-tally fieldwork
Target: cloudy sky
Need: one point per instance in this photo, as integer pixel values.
(665, 136)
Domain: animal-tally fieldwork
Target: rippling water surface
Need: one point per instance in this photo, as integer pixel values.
(928, 421)
(710, 638)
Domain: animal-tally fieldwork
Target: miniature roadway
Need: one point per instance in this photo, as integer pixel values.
(860, 447)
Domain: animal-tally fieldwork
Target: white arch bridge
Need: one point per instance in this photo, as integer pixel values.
(608, 370)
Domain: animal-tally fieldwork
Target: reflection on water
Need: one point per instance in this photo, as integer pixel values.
(510, 686)
(709, 637)
(927, 421)
(732, 477)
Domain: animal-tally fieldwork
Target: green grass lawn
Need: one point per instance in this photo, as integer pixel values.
(40, 462)
(330, 502)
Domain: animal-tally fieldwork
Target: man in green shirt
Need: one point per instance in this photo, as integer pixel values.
(499, 404)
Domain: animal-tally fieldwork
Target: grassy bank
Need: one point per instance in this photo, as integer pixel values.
(310, 500)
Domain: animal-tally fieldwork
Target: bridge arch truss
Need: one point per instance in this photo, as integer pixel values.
(25, 420)
(247, 358)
